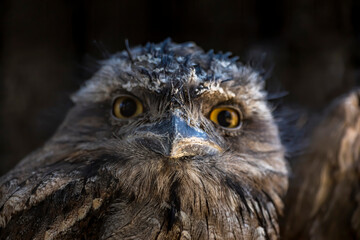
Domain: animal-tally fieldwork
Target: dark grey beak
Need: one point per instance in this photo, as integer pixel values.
(174, 138)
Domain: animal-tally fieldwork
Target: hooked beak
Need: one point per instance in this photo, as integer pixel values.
(174, 138)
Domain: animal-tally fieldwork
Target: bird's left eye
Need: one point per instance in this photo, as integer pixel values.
(226, 116)
(125, 107)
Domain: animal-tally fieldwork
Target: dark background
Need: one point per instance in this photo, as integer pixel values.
(48, 48)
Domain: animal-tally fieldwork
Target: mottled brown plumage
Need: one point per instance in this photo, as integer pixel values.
(169, 173)
(324, 194)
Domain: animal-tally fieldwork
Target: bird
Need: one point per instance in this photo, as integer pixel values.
(323, 199)
(164, 141)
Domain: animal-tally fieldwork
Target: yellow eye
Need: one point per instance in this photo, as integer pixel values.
(127, 107)
(225, 116)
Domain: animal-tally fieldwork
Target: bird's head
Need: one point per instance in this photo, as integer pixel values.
(173, 125)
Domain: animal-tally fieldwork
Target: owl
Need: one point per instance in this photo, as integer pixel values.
(165, 141)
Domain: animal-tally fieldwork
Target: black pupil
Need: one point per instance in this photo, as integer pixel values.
(224, 118)
(128, 107)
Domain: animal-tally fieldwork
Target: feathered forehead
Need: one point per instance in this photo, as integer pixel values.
(155, 67)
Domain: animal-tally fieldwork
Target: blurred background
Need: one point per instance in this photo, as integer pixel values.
(48, 48)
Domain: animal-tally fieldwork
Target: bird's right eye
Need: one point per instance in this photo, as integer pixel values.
(125, 107)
